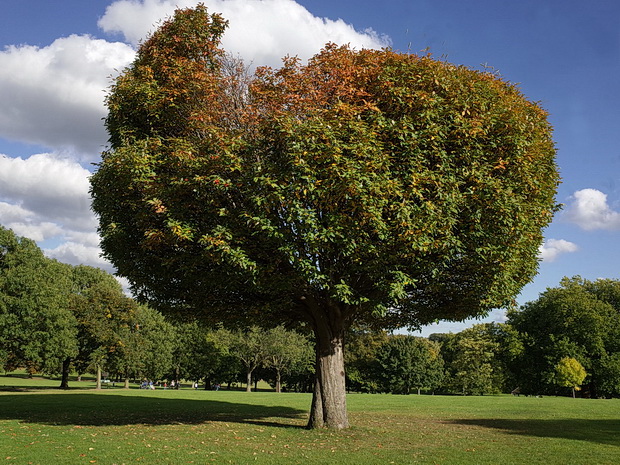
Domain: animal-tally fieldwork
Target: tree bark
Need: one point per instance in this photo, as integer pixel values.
(98, 386)
(64, 381)
(329, 403)
(278, 381)
(248, 388)
(316, 409)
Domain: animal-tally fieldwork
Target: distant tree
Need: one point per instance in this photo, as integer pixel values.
(406, 362)
(146, 343)
(608, 370)
(300, 378)
(37, 329)
(107, 325)
(472, 362)
(285, 350)
(115, 333)
(503, 345)
(570, 373)
(361, 349)
(579, 319)
(203, 353)
(250, 347)
(508, 350)
(88, 286)
(366, 186)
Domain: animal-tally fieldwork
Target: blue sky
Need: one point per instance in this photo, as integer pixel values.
(56, 59)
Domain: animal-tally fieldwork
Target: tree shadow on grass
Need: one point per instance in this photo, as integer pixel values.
(597, 431)
(43, 388)
(110, 410)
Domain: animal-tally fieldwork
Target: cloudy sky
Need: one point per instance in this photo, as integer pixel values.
(57, 59)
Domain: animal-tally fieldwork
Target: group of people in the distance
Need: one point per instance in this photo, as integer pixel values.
(147, 384)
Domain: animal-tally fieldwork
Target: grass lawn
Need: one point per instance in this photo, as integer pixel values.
(39, 425)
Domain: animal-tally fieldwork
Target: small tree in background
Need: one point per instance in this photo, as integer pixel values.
(407, 362)
(250, 347)
(284, 351)
(93, 299)
(570, 373)
(362, 347)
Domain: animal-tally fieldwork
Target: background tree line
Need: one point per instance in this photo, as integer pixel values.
(57, 318)
(566, 340)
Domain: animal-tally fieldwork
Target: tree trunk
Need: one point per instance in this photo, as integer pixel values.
(317, 419)
(98, 386)
(126, 384)
(64, 381)
(330, 389)
(573, 393)
(248, 388)
(278, 381)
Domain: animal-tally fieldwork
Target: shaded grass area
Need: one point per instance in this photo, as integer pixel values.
(136, 408)
(605, 431)
(132, 426)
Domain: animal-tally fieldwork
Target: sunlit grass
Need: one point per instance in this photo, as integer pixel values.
(116, 426)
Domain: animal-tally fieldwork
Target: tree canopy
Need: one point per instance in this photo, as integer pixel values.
(570, 373)
(364, 186)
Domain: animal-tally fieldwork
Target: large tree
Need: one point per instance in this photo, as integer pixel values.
(365, 186)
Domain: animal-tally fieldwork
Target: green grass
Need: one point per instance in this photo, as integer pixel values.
(116, 426)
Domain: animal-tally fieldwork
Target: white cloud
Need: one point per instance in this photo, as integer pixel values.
(589, 209)
(552, 248)
(45, 198)
(54, 96)
(48, 188)
(260, 31)
(75, 253)
(36, 231)
(89, 239)
(10, 213)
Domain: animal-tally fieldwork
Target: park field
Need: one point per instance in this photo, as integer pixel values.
(42, 425)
